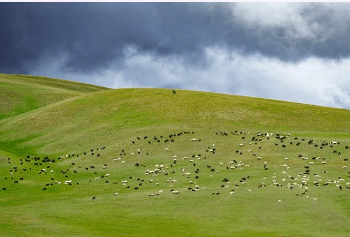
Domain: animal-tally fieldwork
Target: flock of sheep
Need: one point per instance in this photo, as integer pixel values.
(190, 173)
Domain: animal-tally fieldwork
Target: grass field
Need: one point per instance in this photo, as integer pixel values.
(173, 139)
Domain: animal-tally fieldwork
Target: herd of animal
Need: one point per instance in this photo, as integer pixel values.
(209, 166)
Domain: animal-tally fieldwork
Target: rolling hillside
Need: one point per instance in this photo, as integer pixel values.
(141, 162)
(21, 93)
(85, 119)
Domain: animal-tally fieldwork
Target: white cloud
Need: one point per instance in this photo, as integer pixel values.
(316, 21)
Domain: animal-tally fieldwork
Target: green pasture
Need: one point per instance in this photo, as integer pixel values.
(266, 194)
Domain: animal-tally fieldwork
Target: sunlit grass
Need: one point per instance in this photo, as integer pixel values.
(115, 118)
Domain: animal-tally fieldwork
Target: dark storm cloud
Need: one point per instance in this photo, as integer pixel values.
(93, 34)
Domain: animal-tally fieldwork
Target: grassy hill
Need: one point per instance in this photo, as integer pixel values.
(159, 142)
(21, 93)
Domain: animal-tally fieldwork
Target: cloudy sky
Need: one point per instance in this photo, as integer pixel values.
(287, 51)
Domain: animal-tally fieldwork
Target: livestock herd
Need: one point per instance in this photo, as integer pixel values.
(182, 162)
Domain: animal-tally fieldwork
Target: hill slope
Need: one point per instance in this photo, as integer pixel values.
(22, 93)
(102, 115)
(143, 162)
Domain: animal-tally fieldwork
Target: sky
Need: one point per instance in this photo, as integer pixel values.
(297, 52)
